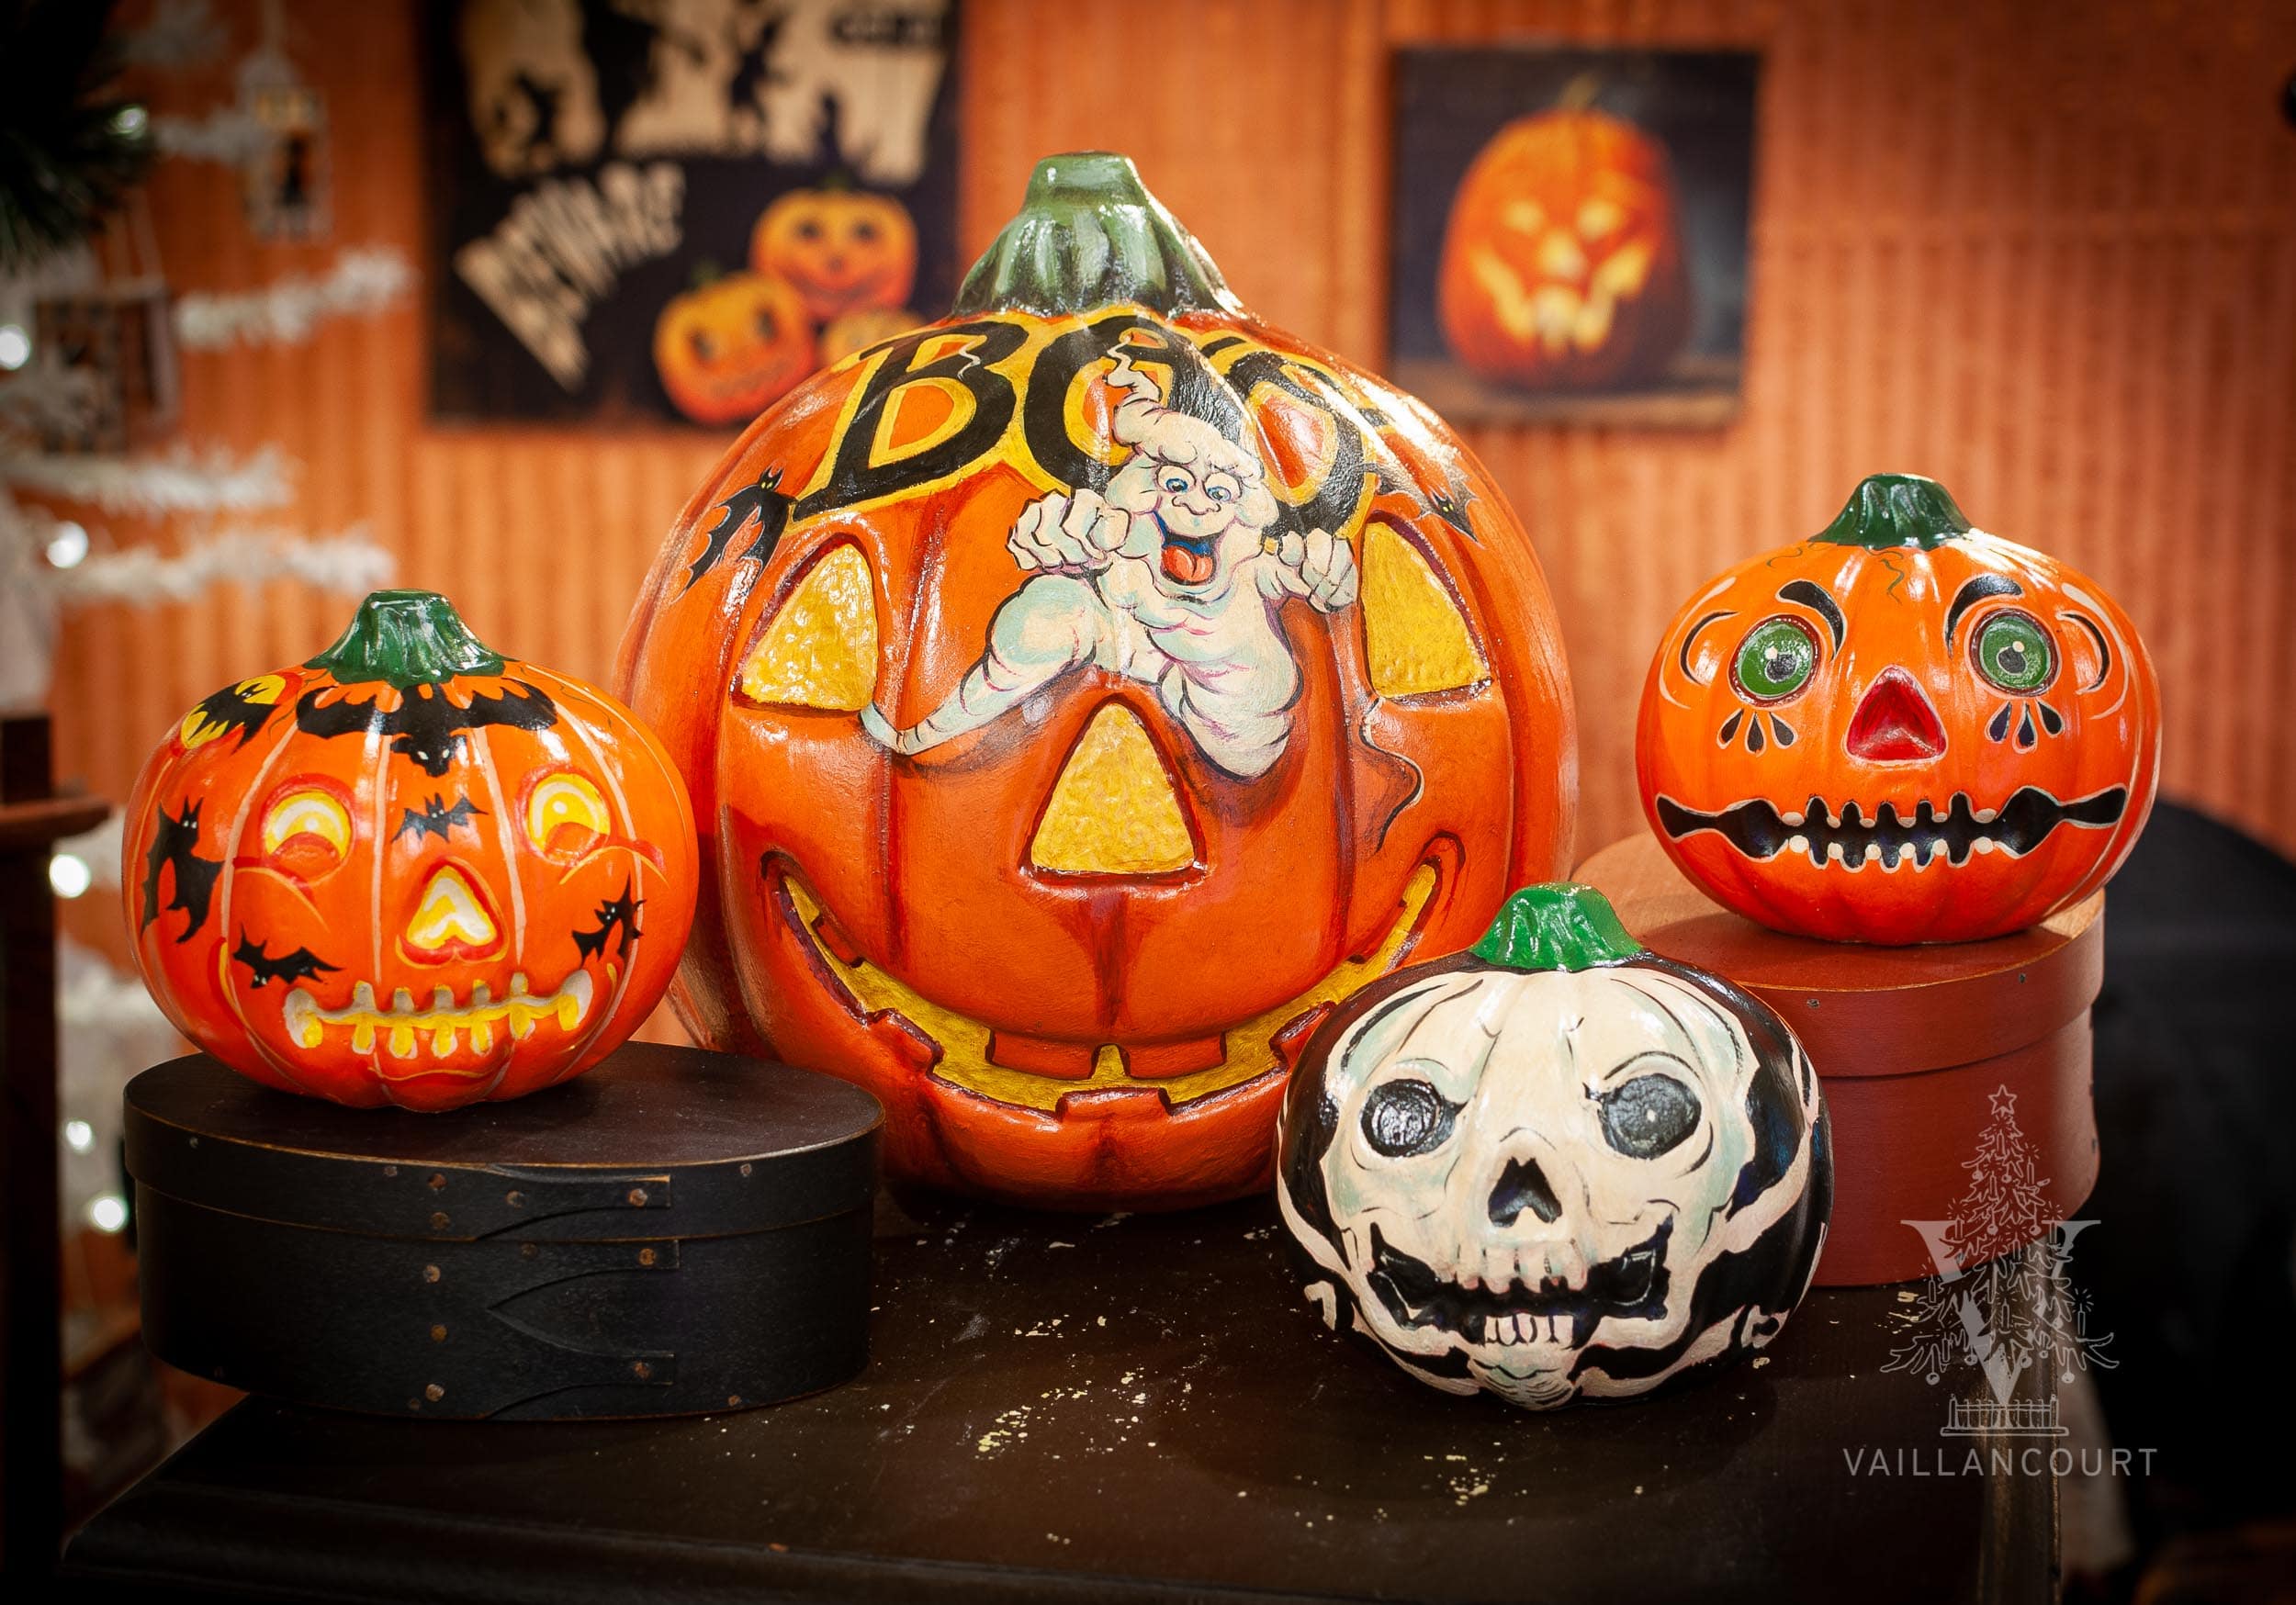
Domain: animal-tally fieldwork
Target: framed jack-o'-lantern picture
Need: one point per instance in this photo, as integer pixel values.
(1569, 233)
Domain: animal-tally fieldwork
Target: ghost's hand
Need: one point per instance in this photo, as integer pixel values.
(1075, 532)
(1319, 566)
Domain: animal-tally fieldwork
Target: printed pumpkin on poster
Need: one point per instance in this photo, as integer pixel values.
(1570, 232)
(680, 211)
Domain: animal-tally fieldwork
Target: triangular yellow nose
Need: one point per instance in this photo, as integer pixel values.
(452, 919)
(1113, 810)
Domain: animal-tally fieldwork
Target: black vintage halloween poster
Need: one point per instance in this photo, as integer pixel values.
(678, 209)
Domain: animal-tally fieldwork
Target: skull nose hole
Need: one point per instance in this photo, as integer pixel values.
(1523, 1186)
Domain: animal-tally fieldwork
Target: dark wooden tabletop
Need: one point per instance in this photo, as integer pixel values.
(1121, 1408)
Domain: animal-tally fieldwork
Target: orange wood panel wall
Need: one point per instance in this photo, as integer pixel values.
(2044, 253)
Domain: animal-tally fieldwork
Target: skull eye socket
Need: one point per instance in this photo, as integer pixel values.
(307, 827)
(564, 813)
(1775, 660)
(1644, 1117)
(1407, 1117)
(2014, 653)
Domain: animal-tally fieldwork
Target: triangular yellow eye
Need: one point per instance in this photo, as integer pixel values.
(1414, 639)
(820, 651)
(1113, 810)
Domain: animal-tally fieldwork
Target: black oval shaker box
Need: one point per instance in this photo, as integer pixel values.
(674, 1232)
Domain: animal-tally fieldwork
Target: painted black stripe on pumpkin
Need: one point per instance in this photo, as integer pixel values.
(1974, 590)
(1690, 639)
(1781, 730)
(1999, 728)
(1815, 598)
(1773, 1103)
(2021, 824)
(2104, 650)
(1729, 727)
(2051, 720)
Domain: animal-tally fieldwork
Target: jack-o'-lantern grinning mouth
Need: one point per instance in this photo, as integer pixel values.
(1631, 1287)
(1249, 1049)
(442, 1024)
(1757, 829)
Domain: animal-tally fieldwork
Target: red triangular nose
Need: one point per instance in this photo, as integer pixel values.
(1895, 724)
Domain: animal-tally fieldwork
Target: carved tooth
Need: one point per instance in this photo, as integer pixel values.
(402, 1002)
(363, 997)
(362, 1036)
(402, 1042)
(299, 1013)
(518, 984)
(573, 1000)
(481, 1035)
(1984, 844)
(480, 996)
(1798, 844)
(442, 1000)
(442, 1041)
(1791, 818)
(521, 1021)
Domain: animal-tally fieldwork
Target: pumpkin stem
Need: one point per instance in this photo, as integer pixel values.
(408, 638)
(1896, 509)
(1089, 235)
(1559, 926)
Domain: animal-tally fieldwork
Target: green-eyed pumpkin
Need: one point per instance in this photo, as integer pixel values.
(1902, 729)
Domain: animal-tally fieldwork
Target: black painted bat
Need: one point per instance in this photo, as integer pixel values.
(619, 913)
(194, 876)
(241, 707)
(425, 726)
(300, 965)
(763, 501)
(438, 817)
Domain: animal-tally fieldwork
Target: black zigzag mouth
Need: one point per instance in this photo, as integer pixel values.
(2017, 827)
(1633, 1286)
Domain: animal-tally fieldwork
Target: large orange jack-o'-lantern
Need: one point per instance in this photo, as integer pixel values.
(1562, 261)
(409, 872)
(1083, 694)
(1902, 729)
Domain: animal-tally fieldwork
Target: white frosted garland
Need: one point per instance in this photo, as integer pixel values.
(225, 134)
(349, 563)
(364, 280)
(178, 481)
(180, 33)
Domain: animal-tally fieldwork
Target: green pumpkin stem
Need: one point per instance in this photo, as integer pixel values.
(1896, 509)
(1089, 235)
(407, 638)
(1559, 926)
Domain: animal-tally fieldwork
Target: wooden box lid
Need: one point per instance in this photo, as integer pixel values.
(1860, 1010)
(675, 1231)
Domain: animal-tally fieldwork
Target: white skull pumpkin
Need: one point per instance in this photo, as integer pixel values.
(1556, 1165)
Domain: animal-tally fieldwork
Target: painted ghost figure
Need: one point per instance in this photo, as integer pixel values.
(1170, 576)
(1557, 1168)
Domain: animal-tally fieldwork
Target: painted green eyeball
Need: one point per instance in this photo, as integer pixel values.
(2014, 653)
(1775, 660)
